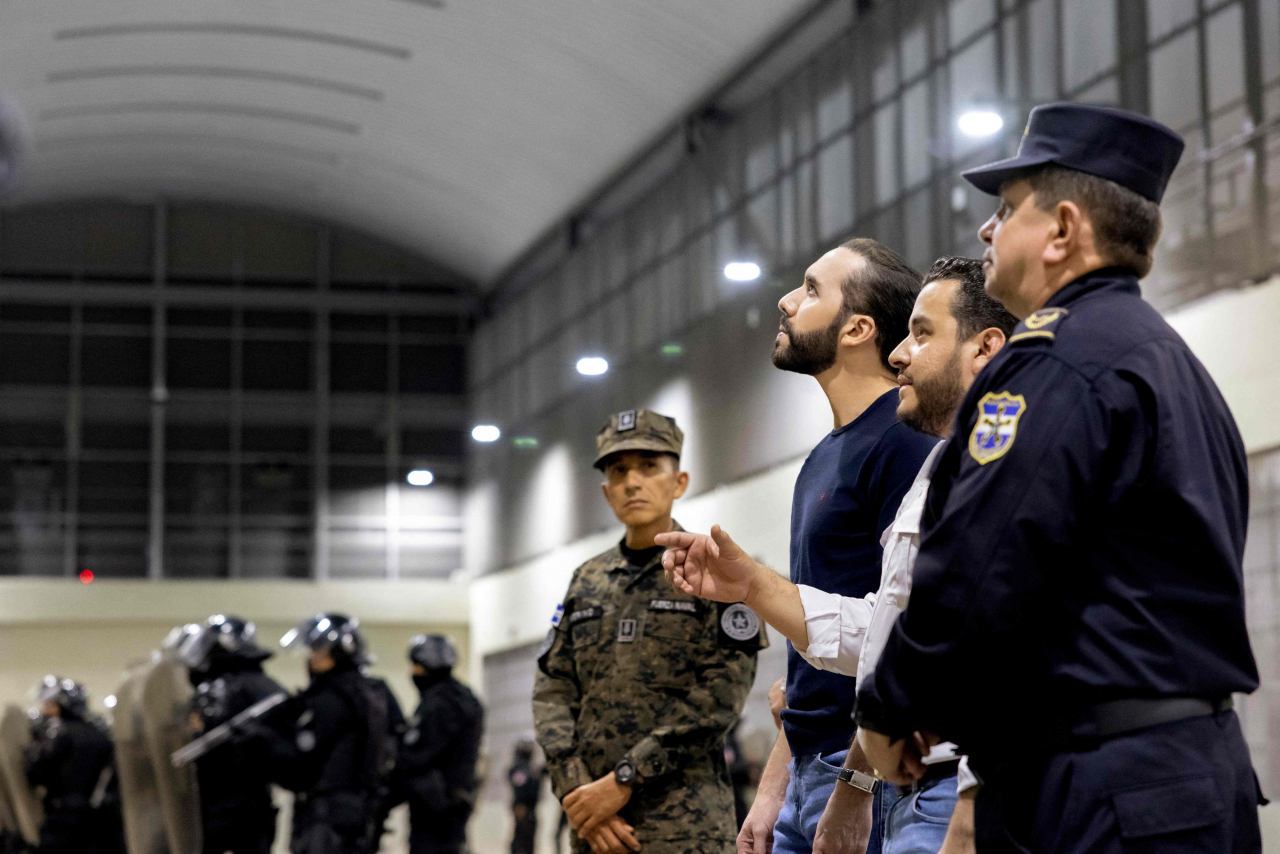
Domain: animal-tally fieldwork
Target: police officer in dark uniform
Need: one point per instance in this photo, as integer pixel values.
(225, 664)
(72, 757)
(339, 753)
(526, 790)
(438, 753)
(1079, 576)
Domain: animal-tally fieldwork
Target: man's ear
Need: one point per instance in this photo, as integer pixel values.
(858, 329)
(682, 483)
(989, 342)
(1067, 231)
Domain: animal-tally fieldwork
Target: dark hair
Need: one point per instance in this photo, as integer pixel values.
(1126, 226)
(972, 308)
(885, 291)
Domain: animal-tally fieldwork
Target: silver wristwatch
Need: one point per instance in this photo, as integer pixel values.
(858, 779)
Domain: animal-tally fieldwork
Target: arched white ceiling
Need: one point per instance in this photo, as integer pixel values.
(459, 128)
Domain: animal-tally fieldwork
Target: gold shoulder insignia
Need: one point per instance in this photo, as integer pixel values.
(1040, 325)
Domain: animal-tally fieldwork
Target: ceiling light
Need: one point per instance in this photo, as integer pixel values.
(421, 477)
(485, 433)
(673, 349)
(525, 442)
(979, 123)
(592, 366)
(742, 271)
(109, 701)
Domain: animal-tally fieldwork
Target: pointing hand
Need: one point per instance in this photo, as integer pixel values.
(713, 567)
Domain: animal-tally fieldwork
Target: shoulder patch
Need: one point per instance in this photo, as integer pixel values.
(1039, 326)
(558, 615)
(739, 622)
(997, 425)
(547, 643)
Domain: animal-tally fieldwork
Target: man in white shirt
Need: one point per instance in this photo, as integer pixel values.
(955, 329)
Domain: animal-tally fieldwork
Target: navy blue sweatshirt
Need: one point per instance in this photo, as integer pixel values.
(847, 493)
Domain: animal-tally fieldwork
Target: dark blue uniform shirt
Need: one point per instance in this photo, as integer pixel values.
(1082, 538)
(846, 494)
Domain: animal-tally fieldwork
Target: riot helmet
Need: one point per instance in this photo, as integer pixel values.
(222, 639)
(337, 634)
(69, 696)
(433, 652)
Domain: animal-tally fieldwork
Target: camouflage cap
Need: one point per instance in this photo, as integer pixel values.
(638, 430)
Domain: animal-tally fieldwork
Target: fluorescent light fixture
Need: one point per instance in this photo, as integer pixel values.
(673, 349)
(421, 477)
(979, 123)
(592, 366)
(485, 433)
(109, 701)
(525, 442)
(742, 271)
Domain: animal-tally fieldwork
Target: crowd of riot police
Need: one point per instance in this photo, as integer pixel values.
(199, 734)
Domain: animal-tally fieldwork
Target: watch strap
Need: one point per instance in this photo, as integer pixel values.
(858, 779)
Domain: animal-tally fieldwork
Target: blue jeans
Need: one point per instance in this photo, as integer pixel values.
(915, 823)
(812, 779)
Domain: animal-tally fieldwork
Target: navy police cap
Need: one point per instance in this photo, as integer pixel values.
(1132, 150)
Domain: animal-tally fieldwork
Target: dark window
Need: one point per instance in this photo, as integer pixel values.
(117, 315)
(35, 313)
(263, 439)
(277, 365)
(433, 442)
(358, 322)
(116, 437)
(354, 440)
(114, 487)
(198, 363)
(27, 359)
(417, 325)
(254, 319)
(432, 370)
(357, 367)
(216, 318)
(193, 437)
(110, 360)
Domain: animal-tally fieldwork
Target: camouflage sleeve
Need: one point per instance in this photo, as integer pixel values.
(557, 700)
(712, 707)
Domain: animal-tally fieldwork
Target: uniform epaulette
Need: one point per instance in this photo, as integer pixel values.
(1039, 327)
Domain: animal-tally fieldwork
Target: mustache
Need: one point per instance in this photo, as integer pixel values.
(785, 323)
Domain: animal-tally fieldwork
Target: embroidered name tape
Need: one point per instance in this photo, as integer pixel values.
(586, 614)
(682, 605)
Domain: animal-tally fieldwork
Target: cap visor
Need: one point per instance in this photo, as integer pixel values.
(637, 445)
(989, 178)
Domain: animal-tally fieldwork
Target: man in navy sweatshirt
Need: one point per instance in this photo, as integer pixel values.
(839, 327)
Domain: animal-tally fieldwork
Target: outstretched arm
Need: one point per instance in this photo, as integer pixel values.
(715, 567)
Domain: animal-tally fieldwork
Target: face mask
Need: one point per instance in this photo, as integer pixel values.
(426, 680)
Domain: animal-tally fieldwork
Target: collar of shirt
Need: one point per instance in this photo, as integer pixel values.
(618, 562)
(1121, 278)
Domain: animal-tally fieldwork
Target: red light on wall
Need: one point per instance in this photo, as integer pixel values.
(86, 576)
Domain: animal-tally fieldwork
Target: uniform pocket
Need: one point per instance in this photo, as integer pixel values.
(584, 623)
(1193, 809)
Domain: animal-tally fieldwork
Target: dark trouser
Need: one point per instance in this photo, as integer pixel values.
(438, 831)
(253, 835)
(525, 838)
(67, 831)
(1177, 788)
(331, 824)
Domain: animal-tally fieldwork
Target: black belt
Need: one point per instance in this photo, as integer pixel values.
(1107, 720)
(933, 772)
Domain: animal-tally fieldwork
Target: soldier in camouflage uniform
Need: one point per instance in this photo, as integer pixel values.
(638, 684)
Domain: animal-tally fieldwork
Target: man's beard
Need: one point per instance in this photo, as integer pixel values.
(808, 353)
(937, 399)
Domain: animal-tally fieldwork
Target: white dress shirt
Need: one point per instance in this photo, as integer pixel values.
(847, 635)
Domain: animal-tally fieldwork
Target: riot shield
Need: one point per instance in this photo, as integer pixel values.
(15, 735)
(144, 826)
(166, 705)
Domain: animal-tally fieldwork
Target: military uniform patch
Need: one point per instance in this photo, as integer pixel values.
(682, 605)
(739, 622)
(626, 631)
(558, 615)
(547, 643)
(626, 420)
(997, 425)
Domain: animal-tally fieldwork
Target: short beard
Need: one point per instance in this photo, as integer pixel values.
(937, 399)
(808, 353)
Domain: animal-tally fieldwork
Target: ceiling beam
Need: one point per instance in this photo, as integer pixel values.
(365, 302)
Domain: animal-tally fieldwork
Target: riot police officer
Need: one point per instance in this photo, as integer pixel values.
(71, 757)
(438, 752)
(225, 664)
(338, 754)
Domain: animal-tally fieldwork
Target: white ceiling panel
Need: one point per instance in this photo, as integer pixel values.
(459, 128)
